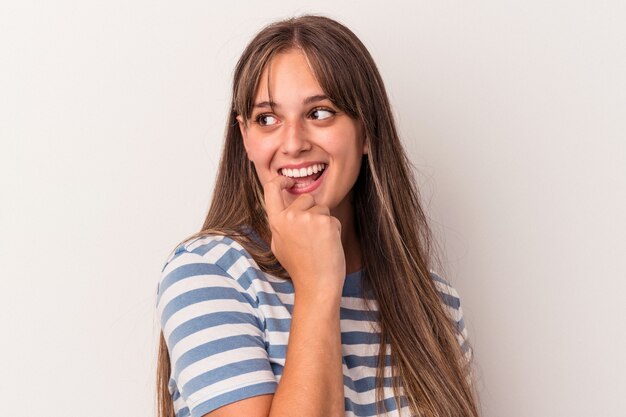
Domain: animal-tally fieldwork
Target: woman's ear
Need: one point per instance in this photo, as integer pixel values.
(244, 131)
(366, 140)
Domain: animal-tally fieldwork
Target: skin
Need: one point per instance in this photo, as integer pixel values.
(294, 132)
(313, 235)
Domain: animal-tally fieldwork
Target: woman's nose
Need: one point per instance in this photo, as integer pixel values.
(295, 138)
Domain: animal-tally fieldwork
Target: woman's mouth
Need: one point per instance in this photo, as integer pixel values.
(306, 179)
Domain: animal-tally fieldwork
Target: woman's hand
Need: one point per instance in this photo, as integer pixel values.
(306, 240)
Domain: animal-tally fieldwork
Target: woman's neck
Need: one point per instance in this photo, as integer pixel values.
(349, 238)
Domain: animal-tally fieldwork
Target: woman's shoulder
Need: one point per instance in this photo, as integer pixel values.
(222, 251)
(452, 302)
(448, 293)
(218, 258)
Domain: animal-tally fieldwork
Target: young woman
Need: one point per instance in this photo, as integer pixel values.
(309, 291)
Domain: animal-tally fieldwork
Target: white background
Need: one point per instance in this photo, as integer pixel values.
(111, 120)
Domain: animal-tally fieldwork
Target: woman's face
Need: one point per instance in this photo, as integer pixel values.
(303, 135)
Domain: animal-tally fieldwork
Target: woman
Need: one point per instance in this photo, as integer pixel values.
(308, 291)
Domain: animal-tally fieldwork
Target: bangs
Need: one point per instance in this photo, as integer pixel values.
(334, 77)
(336, 70)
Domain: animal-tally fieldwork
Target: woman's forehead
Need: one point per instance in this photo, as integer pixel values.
(288, 76)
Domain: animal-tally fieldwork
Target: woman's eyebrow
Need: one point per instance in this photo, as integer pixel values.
(315, 99)
(308, 100)
(265, 104)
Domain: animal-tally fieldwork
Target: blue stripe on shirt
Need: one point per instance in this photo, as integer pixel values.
(258, 304)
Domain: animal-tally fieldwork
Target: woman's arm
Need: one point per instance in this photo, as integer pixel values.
(312, 379)
(307, 242)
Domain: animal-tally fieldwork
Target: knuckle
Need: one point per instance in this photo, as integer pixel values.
(325, 222)
(305, 199)
(322, 209)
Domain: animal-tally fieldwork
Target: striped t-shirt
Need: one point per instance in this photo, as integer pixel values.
(226, 324)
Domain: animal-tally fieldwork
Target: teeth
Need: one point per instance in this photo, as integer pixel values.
(303, 172)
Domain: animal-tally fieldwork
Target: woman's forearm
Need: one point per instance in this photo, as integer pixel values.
(312, 381)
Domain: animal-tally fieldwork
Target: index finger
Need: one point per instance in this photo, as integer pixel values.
(272, 194)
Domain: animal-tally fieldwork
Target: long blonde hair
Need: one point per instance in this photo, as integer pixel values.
(428, 364)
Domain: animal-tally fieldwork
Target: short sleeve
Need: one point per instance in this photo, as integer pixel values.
(452, 302)
(213, 330)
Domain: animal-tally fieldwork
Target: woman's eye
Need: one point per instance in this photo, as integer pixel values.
(321, 114)
(266, 120)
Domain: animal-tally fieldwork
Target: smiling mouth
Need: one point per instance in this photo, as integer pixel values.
(304, 177)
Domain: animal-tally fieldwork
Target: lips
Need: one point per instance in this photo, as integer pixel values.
(308, 182)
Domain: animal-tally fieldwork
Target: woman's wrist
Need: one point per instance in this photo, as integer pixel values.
(319, 295)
